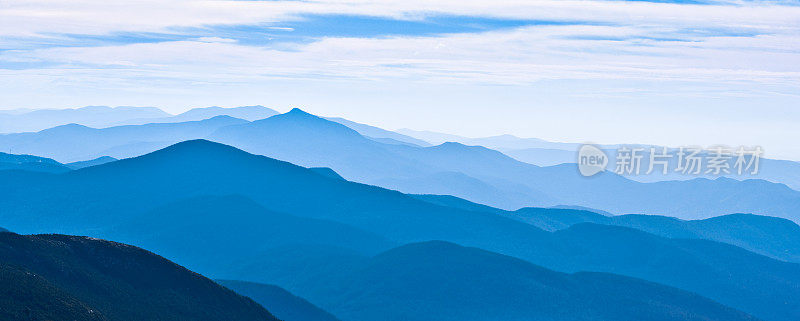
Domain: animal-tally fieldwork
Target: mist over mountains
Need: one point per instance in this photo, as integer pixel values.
(394, 161)
(225, 238)
(324, 218)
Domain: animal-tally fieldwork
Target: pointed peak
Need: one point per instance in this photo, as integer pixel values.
(297, 114)
(298, 111)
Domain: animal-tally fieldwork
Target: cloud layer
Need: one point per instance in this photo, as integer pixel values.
(633, 54)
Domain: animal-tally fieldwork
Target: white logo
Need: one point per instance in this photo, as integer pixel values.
(591, 160)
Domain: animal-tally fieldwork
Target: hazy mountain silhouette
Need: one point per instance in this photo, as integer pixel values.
(97, 161)
(100, 197)
(443, 281)
(206, 233)
(472, 172)
(198, 168)
(545, 153)
(455, 202)
(776, 171)
(31, 163)
(379, 134)
(281, 303)
(249, 113)
(500, 142)
(727, 274)
(543, 156)
(433, 138)
(311, 141)
(73, 142)
(771, 236)
(59, 277)
(93, 116)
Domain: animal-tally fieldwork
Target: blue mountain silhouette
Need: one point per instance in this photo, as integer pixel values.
(249, 113)
(104, 197)
(94, 116)
(73, 142)
(475, 173)
(31, 163)
(283, 304)
(92, 162)
(443, 281)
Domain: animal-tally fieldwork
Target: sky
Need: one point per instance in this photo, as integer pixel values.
(657, 72)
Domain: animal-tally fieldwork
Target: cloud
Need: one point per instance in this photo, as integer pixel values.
(517, 56)
(216, 39)
(31, 18)
(614, 54)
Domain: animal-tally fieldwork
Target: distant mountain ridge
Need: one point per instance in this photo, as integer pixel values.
(472, 172)
(771, 236)
(73, 142)
(31, 163)
(93, 116)
(379, 133)
(249, 113)
(546, 153)
(97, 161)
(493, 178)
(443, 281)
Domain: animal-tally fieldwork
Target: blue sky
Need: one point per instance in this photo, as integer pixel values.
(661, 72)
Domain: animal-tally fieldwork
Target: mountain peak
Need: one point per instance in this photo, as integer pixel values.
(455, 146)
(452, 145)
(298, 112)
(67, 127)
(199, 143)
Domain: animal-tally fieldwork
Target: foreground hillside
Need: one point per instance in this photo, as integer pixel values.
(58, 277)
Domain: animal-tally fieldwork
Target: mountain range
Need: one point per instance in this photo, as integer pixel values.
(475, 173)
(18, 121)
(545, 153)
(94, 116)
(74, 143)
(332, 226)
(31, 163)
(443, 281)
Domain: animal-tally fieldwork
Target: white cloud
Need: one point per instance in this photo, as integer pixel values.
(27, 18)
(633, 54)
(518, 56)
(215, 39)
